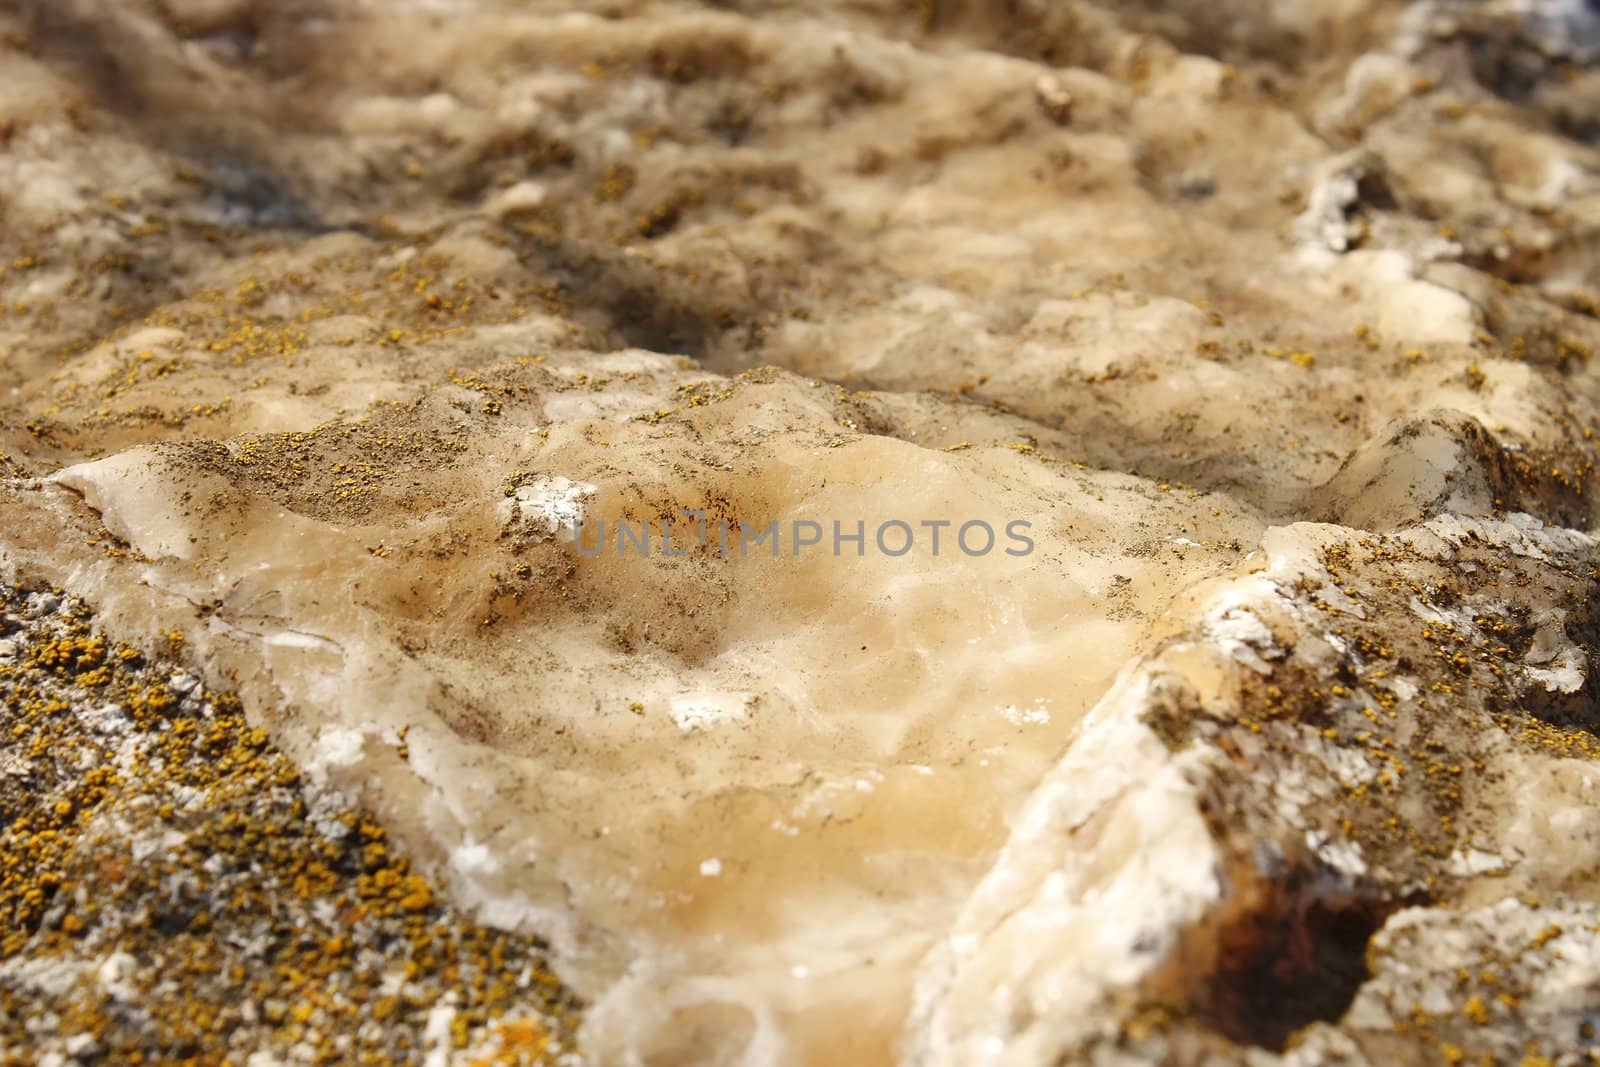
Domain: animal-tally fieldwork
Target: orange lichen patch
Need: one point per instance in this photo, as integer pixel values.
(1559, 740)
(516, 1043)
(205, 901)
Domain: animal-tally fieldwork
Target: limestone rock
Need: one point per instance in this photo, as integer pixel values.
(939, 533)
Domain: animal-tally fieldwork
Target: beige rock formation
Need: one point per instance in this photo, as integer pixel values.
(326, 323)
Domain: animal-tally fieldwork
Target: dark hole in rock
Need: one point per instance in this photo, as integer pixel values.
(648, 320)
(244, 193)
(1373, 190)
(1286, 949)
(1285, 971)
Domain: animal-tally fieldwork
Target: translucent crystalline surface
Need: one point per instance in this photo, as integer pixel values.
(1258, 336)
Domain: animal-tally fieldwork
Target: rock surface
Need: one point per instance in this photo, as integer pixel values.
(175, 891)
(334, 334)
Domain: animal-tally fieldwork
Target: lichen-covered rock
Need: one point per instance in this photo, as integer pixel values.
(937, 533)
(175, 890)
(1353, 724)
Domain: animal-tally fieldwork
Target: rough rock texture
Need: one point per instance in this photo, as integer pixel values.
(324, 322)
(174, 891)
